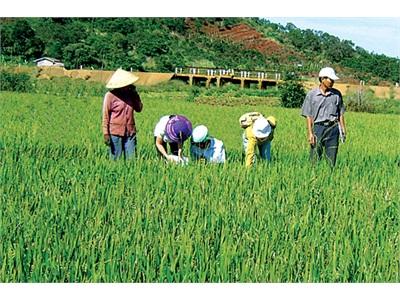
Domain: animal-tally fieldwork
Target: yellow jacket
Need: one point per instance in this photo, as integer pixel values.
(252, 142)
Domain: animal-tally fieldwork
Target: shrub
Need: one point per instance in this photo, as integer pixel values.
(366, 101)
(17, 82)
(360, 101)
(292, 94)
(194, 93)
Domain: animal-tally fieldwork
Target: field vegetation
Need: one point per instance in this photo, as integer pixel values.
(68, 214)
(288, 94)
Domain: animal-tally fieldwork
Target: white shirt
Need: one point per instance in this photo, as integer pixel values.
(159, 130)
(214, 153)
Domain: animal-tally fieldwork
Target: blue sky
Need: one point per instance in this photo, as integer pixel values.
(380, 35)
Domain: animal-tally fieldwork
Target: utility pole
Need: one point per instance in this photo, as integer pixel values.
(360, 91)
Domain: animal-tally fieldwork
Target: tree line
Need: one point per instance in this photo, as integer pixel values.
(161, 44)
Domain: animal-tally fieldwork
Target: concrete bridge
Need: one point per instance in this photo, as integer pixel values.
(194, 75)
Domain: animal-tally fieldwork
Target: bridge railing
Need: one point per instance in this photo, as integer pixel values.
(272, 75)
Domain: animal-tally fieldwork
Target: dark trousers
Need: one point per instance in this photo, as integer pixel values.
(327, 141)
(172, 146)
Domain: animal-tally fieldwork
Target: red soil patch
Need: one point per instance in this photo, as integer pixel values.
(250, 38)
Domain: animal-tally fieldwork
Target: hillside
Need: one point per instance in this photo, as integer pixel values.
(161, 44)
(249, 37)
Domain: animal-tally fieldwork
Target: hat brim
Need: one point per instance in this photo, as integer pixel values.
(260, 135)
(333, 77)
(200, 140)
(121, 78)
(123, 83)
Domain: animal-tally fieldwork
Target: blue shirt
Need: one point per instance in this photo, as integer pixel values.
(214, 153)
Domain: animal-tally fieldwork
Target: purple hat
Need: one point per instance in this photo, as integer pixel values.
(178, 129)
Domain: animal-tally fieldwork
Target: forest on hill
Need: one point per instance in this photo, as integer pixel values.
(161, 44)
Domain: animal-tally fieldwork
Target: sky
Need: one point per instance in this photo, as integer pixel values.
(380, 35)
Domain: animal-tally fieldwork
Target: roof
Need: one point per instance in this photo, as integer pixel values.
(53, 60)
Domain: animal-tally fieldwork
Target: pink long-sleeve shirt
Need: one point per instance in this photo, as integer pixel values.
(119, 106)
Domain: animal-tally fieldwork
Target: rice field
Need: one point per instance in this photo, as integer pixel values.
(68, 214)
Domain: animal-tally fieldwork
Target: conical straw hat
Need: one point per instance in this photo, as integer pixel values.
(121, 78)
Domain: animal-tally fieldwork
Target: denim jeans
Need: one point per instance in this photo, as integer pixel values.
(122, 145)
(328, 140)
(264, 148)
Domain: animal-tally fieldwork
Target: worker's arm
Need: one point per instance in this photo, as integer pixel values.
(106, 119)
(310, 131)
(160, 147)
(342, 124)
(180, 150)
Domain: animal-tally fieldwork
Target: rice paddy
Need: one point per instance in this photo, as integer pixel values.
(68, 214)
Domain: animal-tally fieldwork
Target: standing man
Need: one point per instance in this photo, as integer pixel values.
(324, 110)
(119, 105)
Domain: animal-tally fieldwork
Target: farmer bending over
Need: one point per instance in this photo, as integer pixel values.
(206, 148)
(258, 132)
(173, 130)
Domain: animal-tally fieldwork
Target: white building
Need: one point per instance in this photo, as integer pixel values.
(48, 62)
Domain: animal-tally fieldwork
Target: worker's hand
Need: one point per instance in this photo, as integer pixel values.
(170, 158)
(107, 139)
(311, 139)
(343, 138)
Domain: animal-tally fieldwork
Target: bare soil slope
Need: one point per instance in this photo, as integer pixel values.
(145, 78)
(250, 38)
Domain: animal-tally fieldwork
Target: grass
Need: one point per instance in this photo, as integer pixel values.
(68, 214)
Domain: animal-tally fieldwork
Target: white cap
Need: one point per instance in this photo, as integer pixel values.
(261, 128)
(199, 134)
(328, 72)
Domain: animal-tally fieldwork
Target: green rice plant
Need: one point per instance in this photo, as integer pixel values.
(68, 214)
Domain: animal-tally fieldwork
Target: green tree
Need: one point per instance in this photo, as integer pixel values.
(20, 39)
(79, 54)
(292, 94)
